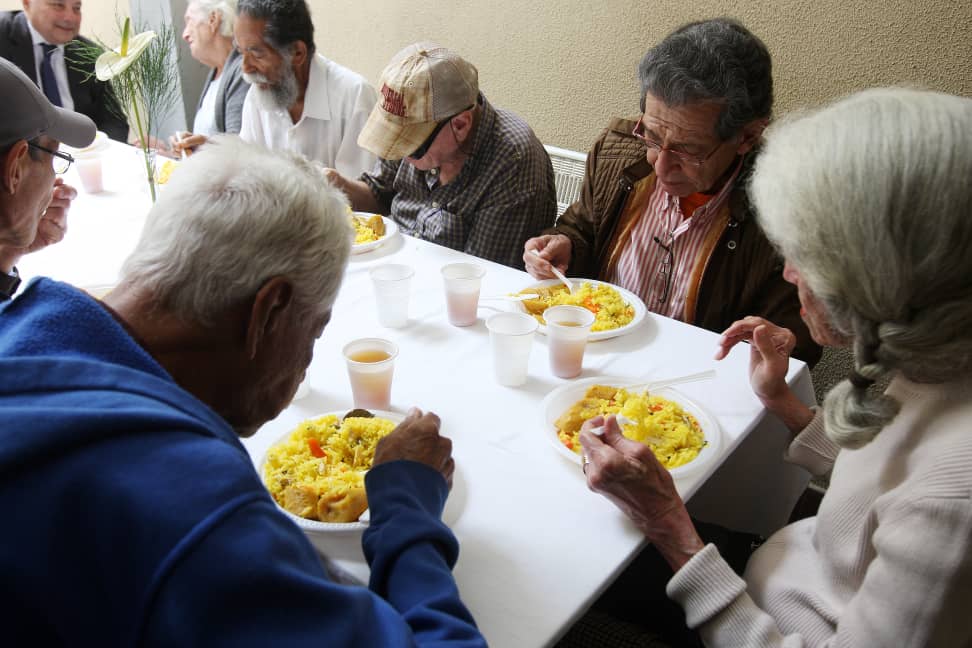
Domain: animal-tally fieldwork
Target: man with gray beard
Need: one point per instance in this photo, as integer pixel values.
(299, 100)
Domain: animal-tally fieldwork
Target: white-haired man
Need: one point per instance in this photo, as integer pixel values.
(299, 100)
(454, 169)
(33, 203)
(134, 515)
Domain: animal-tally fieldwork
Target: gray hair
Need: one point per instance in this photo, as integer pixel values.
(287, 21)
(233, 216)
(870, 200)
(712, 60)
(225, 8)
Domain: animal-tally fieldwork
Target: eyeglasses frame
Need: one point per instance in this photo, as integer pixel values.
(57, 155)
(422, 150)
(684, 158)
(667, 267)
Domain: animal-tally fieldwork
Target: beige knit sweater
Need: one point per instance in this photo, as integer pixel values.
(887, 561)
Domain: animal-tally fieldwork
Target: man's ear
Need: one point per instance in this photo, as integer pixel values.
(751, 134)
(273, 302)
(462, 124)
(12, 166)
(299, 53)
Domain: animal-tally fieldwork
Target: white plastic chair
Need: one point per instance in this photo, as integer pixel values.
(568, 169)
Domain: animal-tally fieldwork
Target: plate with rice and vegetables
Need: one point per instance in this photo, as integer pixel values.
(370, 231)
(616, 311)
(315, 473)
(682, 434)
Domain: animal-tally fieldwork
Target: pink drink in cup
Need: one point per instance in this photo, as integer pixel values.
(462, 281)
(371, 365)
(567, 331)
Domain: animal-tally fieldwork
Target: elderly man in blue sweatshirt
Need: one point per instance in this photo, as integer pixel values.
(133, 514)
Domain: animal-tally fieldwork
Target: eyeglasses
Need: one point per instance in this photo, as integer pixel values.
(427, 144)
(683, 158)
(666, 267)
(60, 161)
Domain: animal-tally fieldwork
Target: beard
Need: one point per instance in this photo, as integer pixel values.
(275, 96)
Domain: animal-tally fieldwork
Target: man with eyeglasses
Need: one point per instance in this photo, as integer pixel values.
(663, 210)
(453, 169)
(33, 204)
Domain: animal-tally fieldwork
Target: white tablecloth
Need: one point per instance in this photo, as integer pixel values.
(536, 546)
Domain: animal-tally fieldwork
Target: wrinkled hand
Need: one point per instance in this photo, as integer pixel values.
(417, 439)
(628, 473)
(186, 142)
(769, 354)
(53, 223)
(51, 227)
(554, 249)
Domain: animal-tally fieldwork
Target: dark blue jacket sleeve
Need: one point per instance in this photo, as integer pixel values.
(246, 576)
(411, 553)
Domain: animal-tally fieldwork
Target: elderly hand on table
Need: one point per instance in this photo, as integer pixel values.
(628, 474)
(769, 360)
(50, 228)
(417, 439)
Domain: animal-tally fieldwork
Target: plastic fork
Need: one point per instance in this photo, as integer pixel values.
(557, 273)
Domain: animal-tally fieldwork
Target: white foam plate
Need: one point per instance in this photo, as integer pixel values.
(391, 229)
(315, 526)
(640, 310)
(559, 400)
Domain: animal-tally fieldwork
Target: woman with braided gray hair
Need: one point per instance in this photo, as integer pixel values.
(870, 202)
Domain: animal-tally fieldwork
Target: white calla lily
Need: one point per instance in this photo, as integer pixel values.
(112, 63)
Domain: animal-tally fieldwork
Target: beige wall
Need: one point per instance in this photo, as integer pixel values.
(567, 65)
(97, 17)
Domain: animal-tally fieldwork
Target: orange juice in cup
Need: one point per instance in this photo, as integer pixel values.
(371, 365)
(567, 331)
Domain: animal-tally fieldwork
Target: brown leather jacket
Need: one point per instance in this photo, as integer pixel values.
(743, 275)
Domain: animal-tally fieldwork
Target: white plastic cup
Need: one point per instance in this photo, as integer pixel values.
(392, 283)
(511, 337)
(371, 365)
(90, 171)
(567, 331)
(462, 281)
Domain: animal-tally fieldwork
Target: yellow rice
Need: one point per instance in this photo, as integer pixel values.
(610, 310)
(663, 425)
(292, 472)
(364, 232)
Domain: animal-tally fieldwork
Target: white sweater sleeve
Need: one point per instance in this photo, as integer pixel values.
(915, 591)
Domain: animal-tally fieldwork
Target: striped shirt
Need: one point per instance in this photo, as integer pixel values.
(664, 247)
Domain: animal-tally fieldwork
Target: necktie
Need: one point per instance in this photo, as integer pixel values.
(48, 81)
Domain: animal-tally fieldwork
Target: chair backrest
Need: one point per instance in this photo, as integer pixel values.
(568, 169)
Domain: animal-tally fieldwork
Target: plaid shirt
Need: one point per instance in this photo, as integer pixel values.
(504, 194)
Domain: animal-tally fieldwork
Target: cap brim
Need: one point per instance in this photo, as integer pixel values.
(389, 138)
(71, 128)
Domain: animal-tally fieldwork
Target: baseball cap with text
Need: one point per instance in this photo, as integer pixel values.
(423, 85)
(27, 113)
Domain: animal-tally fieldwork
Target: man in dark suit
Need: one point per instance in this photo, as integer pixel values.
(43, 41)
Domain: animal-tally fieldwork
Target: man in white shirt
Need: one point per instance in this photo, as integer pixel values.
(299, 100)
(43, 42)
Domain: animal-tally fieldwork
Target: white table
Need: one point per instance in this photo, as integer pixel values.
(536, 546)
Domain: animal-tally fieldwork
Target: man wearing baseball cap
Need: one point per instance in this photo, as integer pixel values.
(453, 169)
(33, 205)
